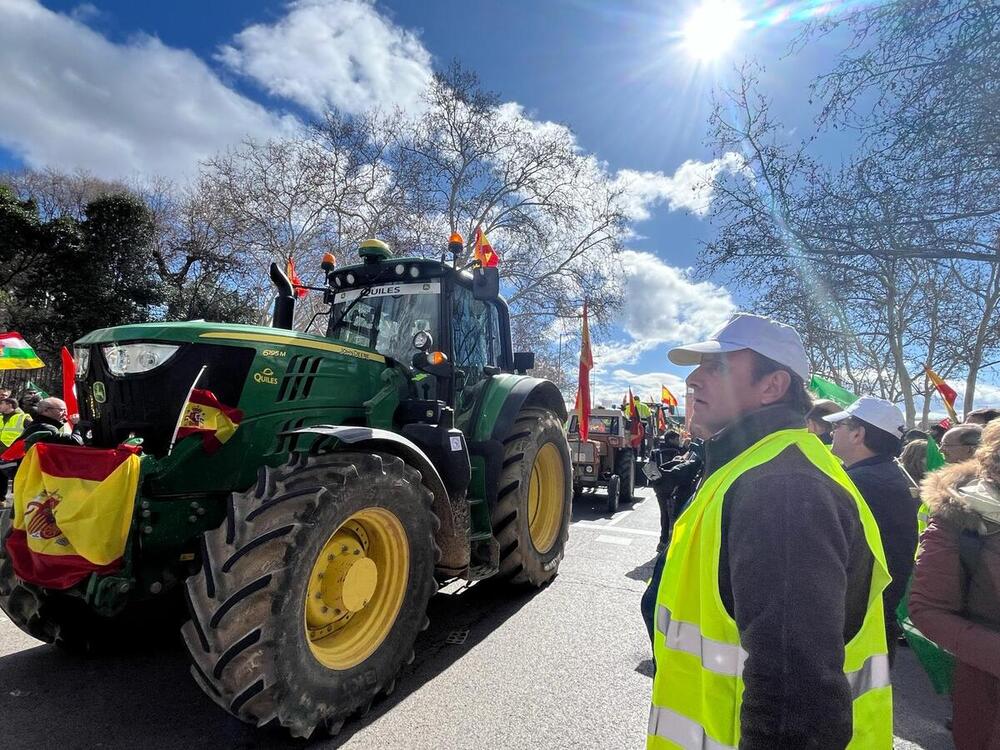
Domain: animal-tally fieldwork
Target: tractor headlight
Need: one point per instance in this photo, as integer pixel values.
(81, 360)
(130, 359)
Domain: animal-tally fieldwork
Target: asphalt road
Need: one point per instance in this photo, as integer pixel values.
(565, 667)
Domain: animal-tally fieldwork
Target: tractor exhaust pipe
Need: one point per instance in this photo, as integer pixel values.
(284, 302)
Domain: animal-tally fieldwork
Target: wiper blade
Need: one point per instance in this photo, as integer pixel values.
(364, 293)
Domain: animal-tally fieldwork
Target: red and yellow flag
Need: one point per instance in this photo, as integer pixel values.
(483, 251)
(948, 394)
(583, 389)
(636, 429)
(205, 415)
(72, 511)
(667, 398)
(300, 290)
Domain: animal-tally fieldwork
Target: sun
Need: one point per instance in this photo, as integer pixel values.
(712, 29)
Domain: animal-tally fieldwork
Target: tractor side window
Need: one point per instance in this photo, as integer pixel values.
(476, 340)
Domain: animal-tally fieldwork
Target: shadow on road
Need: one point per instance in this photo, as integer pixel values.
(148, 699)
(591, 506)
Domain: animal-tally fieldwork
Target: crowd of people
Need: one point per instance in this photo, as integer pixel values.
(790, 537)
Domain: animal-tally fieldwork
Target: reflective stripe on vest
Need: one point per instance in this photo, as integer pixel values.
(721, 658)
(681, 730)
(698, 685)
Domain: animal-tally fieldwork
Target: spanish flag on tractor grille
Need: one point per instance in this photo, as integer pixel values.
(72, 512)
(205, 415)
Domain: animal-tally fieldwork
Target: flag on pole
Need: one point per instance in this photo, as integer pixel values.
(15, 354)
(300, 290)
(69, 386)
(823, 388)
(635, 424)
(947, 393)
(72, 512)
(668, 399)
(205, 415)
(483, 251)
(583, 388)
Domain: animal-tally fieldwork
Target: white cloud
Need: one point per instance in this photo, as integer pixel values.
(74, 100)
(662, 303)
(690, 187)
(333, 53)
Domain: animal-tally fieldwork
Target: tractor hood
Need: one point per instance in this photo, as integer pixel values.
(135, 380)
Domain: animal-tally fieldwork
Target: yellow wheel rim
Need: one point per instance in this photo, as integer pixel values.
(546, 498)
(356, 588)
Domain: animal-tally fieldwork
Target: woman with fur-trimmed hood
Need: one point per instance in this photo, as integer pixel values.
(955, 599)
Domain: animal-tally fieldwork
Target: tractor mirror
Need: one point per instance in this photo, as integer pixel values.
(485, 283)
(524, 361)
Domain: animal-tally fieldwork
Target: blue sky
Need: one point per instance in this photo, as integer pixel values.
(125, 87)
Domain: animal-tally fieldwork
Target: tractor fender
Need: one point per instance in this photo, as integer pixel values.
(527, 391)
(384, 441)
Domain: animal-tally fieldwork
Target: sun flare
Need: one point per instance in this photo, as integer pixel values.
(712, 29)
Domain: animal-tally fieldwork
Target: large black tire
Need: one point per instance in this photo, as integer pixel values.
(521, 561)
(50, 617)
(247, 633)
(625, 468)
(614, 493)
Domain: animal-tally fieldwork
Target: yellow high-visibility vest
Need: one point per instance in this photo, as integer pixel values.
(11, 427)
(698, 687)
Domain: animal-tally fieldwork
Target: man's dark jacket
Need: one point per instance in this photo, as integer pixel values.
(47, 430)
(886, 490)
(794, 573)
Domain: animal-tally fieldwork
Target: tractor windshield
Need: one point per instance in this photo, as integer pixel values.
(597, 425)
(387, 317)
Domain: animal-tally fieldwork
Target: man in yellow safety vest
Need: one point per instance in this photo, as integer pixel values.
(12, 423)
(769, 629)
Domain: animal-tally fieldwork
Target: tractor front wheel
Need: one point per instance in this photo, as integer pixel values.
(534, 501)
(312, 594)
(614, 493)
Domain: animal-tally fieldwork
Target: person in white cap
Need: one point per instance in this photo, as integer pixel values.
(867, 437)
(769, 628)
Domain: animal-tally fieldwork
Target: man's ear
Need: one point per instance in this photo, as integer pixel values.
(775, 386)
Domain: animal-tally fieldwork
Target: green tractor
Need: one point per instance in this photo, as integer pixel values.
(405, 448)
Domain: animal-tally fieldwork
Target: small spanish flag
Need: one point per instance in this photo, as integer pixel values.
(205, 415)
(667, 398)
(483, 251)
(72, 511)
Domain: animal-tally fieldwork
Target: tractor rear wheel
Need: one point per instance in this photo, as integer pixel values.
(312, 594)
(614, 493)
(534, 499)
(625, 468)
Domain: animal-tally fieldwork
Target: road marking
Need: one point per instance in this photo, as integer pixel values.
(618, 529)
(613, 540)
(619, 517)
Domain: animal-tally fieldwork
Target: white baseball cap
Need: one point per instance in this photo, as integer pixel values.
(767, 337)
(876, 412)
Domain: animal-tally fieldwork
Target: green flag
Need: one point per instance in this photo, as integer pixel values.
(30, 386)
(823, 388)
(935, 459)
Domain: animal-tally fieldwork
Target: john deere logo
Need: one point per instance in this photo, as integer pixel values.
(100, 395)
(265, 376)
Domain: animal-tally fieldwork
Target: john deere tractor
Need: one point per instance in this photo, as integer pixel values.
(403, 448)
